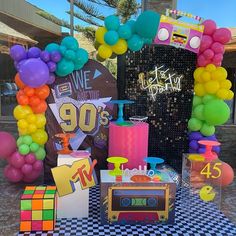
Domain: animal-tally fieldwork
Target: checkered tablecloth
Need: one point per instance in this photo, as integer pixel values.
(203, 220)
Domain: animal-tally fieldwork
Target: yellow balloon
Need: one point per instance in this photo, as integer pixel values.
(32, 128)
(226, 84)
(219, 74)
(31, 118)
(120, 47)
(197, 74)
(99, 34)
(20, 112)
(104, 51)
(23, 131)
(22, 124)
(199, 90)
(205, 76)
(230, 95)
(40, 121)
(222, 93)
(212, 86)
(210, 67)
(40, 137)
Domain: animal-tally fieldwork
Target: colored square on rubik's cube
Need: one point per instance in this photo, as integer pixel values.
(38, 208)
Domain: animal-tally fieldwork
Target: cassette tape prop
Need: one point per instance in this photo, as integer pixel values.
(179, 34)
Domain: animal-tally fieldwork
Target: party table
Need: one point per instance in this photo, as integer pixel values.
(203, 220)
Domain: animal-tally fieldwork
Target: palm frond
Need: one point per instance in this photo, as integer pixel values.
(127, 8)
(101, 3)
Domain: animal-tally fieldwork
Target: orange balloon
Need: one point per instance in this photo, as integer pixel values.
(18, 81)
(34, 101)
(42, 92)
(40, 108)
(28, 91)
(22, 99)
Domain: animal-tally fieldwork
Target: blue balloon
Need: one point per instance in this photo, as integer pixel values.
(70, 43)
(125, 31)
(62, 50)
(70, 55)
(64, 67)
(135, 43)
(111, 37)
(131, 23)
(81, 56)
(52, 47)
(18, 53)
(112, 22)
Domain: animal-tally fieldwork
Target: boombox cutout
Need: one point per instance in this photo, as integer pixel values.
(179, 34)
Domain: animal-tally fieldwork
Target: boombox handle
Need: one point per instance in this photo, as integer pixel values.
(181, 13)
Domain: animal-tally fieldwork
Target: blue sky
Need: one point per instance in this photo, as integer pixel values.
(223, 12)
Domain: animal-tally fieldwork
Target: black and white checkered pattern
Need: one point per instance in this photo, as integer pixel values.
(202, 220)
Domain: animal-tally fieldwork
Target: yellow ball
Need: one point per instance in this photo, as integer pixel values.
(99, 34)
(31, 118)
(120, 47)
(226, 84)
(210, 67)
(199, 90)
(222, 94)
(40, 137)
(197, 74)
(32, 128)
(40, 120)
(20, 112)
(104, 51)
(219, 74)
(212, 86)
(22, 124)
(230, 95)
(205, 76)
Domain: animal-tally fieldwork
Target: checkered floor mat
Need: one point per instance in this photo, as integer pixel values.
(203, 220)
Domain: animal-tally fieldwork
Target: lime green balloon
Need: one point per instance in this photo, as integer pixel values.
(24, 149)
(198, 112)
(19, 141)
(197, 100)
(34, 147)
(216, 112)
(27, 139)
(40, 154)
(194, 124)
(208, 98)
(207, 130)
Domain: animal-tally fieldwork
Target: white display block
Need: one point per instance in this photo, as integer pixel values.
(75, 205)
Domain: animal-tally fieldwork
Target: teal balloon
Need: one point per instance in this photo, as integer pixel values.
(135, 43)
(70, 55)
(216, 112)
(207, 130)
(64, 67)
(208, 98)
(40, 154)
(111, 37)
(197, 100)
(125, 31)
(70, 43)
(147, 41)
(52, 47)
(131, 24)
(78, 66)
(194, 124)
(147, 24)
(81, 56)
(198, 112)
(62, 50)
(112, 22)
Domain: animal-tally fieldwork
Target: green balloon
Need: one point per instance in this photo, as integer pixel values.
(40, 154)
(34, 147)
(197, 101)
(216, 112)
(19, 141)
(207, 130)
(208, 98)
(194, 124)
(24, 149)
(198, 112)
(27, 139)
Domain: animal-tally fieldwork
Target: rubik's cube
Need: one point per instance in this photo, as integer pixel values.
(38, 208)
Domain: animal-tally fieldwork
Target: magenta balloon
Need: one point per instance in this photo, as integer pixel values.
(31, 177)
(217, 47)
(7, 144)
(34, 72)
(30, 158)
(208, 54)
(38, 165)
(218, 58)
(55, 56)
(14, 175)
(17, 160)
(45, 56)
(201, 60)
(18, 53)
(206, 42)
(27, 169)
(209, 27)
(34, 52)
(51, 79)
(51, 66)
(222, 35)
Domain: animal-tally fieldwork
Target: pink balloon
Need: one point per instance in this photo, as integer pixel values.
(14, 175)
(222, 35)
(201, 60)
(31, 177)
(206, 42)
(217, 47)
(27, 169)
(217, 63)
(8, 144)
(209, 27)
(218, 58)
(38, 165)
(16, 160)
(30, 158)
(208, 54)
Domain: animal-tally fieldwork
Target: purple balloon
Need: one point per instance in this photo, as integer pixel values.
(194, 145)
(55, 56)
(195, 136)
(191, 150)
(45, 56)
(51, 79)
(12, 174)
(17, 160)
(34, 72)
(38, 165)
(27, 169)
(52, 66)
(18, 53)
(216, 149)
(30, 158)
(34, 52)
(202, 150)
